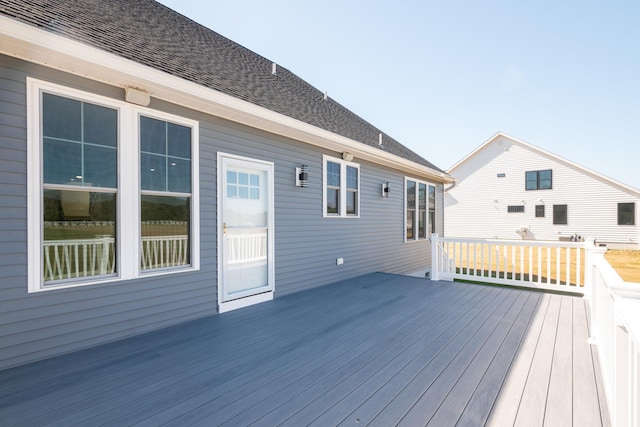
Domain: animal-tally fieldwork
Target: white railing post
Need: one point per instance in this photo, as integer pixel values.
(435, 256)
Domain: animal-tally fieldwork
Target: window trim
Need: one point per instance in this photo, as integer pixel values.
(428, 223)
(342, 203)
(127, 196)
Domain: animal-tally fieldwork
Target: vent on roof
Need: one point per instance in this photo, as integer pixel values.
(380, 140)
(274, 69)
(326, 95)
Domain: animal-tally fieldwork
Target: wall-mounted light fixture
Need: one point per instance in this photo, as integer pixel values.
(302, 176)
(137, 96)
(386, 189)
(347, 156)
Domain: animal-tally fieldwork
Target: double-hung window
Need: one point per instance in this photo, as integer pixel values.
(341, 183)
(420, 209)
(112, 189)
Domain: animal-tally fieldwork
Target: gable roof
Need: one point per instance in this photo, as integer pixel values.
(155, 36)
(546, 154)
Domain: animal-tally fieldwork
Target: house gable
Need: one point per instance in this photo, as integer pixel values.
(491, 182)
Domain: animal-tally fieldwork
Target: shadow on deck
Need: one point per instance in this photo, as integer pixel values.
(375, 350)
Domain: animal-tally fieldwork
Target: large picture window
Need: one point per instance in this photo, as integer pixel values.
(420, 209)
(109, 183)
(341, 186)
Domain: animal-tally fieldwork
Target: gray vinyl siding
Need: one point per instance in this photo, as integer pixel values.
(41, 325)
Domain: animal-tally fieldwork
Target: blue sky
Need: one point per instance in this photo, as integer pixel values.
(442, 77)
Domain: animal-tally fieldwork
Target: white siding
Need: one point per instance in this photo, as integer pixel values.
(477, 205)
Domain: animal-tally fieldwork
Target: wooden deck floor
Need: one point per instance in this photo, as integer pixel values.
(377, 350)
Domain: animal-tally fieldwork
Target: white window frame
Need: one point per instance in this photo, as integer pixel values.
(343, 188)
(428, 224)
(127, 193)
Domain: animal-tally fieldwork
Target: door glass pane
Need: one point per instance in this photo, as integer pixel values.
(165, 231)
(79, 234)
(245, 234)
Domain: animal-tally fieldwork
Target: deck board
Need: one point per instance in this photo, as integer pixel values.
(375, 350)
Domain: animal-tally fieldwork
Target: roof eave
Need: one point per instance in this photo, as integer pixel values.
(32, 44)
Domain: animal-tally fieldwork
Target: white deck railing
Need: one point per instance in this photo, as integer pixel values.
(615, 330)
(557, 266)
(571, 267)
(69, 259)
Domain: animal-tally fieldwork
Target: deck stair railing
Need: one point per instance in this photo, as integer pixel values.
(581, 268)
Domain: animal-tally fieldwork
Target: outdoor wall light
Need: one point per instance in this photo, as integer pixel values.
(302, 176)
(137, 96)
(347, 156)
(385, 189)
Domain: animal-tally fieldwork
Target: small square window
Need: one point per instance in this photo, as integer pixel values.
(539, 211)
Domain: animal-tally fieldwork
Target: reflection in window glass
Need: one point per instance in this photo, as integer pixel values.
(165, 166)
(79, 234)
(432, 208)
(79, 143)
(165, 156)
(422, 210)
(79, 150)
(165, 231)
(411, 210)
(352, 190)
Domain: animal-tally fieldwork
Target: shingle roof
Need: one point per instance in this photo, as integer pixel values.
(154, 35)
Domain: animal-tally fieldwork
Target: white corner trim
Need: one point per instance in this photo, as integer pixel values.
(35, 45)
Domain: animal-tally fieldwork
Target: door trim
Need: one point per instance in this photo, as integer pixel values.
(264, 296)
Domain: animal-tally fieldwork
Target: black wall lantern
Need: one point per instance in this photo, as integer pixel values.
(302, 176)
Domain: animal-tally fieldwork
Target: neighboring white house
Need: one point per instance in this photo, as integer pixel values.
(509, 189)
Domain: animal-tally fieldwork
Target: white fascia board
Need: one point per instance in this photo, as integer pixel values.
(38, 46)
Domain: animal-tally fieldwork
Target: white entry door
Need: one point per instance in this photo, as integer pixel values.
(245, 218)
